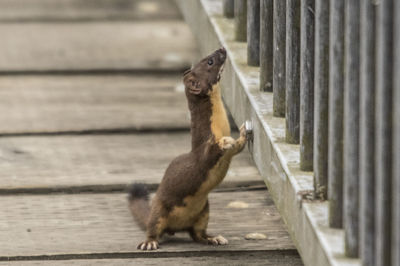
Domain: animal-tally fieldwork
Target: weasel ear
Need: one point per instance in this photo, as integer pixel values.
(193, 85)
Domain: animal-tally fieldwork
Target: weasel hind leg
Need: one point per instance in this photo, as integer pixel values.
(155, 229)
(199, 230)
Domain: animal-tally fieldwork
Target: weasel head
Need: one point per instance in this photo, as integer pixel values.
(200, 79)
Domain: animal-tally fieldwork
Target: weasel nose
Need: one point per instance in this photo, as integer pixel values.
(222, 53)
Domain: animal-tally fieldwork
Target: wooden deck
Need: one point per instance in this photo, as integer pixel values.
(90, 101)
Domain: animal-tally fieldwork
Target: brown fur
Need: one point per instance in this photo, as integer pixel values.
(181, 201)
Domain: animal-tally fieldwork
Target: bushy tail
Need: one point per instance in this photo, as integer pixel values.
(139, 204)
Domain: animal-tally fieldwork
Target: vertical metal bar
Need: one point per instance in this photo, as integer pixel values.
(351, 127)
(396, 140)
(292, 71)
(228, 8)
(266, 44)
(383, 143)
(279, 58)
(367, 133)
(321, 100)
(307, 22)
(253, 32)
(335, 137)
(240, 7)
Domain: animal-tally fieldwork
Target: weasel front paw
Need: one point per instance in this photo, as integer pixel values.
(148, 245)
(226, 143)
(242, 131)
(217, 240)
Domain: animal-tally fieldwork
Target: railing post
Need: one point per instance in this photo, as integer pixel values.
(307, 84)
(335, 147)
(396, 140)
(292, 71)
(253, 32)
(228, 8)
(240, 7)
(279, 58)
(367, 133)
(351, 127)
(321, 100)
(383, 143)
(266, 44)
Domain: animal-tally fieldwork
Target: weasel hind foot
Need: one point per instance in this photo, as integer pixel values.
(148, 245)
(217, 240)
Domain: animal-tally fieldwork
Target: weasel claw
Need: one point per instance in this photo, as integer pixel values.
(218, 240)
(148, 245)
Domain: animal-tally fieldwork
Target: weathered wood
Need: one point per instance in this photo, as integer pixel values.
(253, 32)
(351, 128)
(307, 84)
(279, 36)
(97, 46)
(240, 7)
(45, 104)
(229, 8)
(321, 99)
(57, 225)
(292, 114)
(383, 135)
(335, 147)
(216, 258)
(367, 133)
(86, 10)
(101, 161)
(396, 139)
(266, 44)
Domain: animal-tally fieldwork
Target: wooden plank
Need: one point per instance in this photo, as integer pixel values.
(45, 104)
(383, 132)
(396, 140)
(100, 46)
(351, 128)
(229, 8)
(253, 32)
(240, 16)
(279, 58)
(266, 44)
(367, 132)
(307, 47)
(321, 100)
(86, 10)
(98, 161)
(292, 113)
(235, 259)
(84, 224)
(335, 141)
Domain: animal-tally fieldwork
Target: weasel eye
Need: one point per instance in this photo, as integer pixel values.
(210, 62)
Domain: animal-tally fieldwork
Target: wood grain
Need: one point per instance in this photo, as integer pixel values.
(101, 160)
(37, 104)
(86, 10)
(99, 46)
(56, 225)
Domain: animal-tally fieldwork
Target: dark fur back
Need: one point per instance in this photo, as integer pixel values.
(139, 204)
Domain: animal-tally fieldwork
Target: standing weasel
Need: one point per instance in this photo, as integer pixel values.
(181, 200)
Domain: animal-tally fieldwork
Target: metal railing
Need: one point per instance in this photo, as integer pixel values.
(334, 69)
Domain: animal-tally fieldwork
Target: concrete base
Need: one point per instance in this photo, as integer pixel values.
(277, 161)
